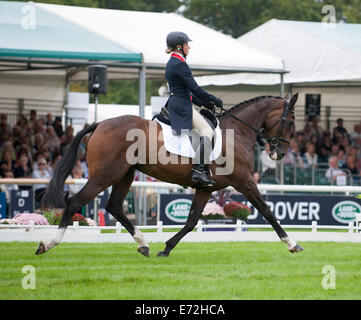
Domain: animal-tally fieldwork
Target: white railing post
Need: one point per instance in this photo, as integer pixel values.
(358, 223)
(314, 226)
(239, 225)
(32, 225)
(199, 226)
(350, 227)
(76, 225)
(118, 227)
(159, 226)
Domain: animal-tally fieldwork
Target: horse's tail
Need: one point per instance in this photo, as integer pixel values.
(54, 195)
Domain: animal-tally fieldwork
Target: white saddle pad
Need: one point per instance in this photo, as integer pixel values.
(181, 144)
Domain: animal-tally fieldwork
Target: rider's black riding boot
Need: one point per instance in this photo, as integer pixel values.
(201, 170)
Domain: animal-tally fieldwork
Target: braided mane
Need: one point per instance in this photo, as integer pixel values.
(249, 101)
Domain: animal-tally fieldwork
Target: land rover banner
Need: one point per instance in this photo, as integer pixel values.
(288, 209)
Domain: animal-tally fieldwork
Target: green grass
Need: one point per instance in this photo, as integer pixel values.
(223, 270)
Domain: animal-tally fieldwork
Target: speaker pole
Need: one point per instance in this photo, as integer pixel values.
(96, 108)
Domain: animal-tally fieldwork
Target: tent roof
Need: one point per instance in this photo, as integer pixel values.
(146, 32)
(135, 33)
(27, 30)
(311, 51)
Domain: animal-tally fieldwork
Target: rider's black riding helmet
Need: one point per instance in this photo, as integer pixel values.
(175, 38)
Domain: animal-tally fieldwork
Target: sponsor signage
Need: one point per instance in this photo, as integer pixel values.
(21, 201)
(303, 209)
(174, 208)
(2, 205)
(288, 209)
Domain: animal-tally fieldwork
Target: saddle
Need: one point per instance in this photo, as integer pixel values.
(211, 119)
(183, 144)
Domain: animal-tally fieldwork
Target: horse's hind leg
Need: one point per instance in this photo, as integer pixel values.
(200, 199)
(115, 207)
(74, 204)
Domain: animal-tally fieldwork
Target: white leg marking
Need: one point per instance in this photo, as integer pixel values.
(290, 242)
(55, 239)
(139, 238)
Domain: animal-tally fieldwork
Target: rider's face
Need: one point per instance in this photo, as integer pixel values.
(186, 48)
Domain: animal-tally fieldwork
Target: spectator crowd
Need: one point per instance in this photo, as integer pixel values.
(33, 146)
(338, 151)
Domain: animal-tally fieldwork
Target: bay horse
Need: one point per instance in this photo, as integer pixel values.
(270, 117)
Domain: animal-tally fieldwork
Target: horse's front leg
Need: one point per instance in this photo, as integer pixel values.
(201, 198)
(251, 192)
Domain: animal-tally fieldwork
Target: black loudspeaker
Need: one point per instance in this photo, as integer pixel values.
(313, 106)
(98, 79)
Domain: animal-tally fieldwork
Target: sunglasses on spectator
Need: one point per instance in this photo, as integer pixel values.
(41, 164)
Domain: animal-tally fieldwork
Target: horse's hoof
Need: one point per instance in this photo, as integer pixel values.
(162, 254)
(296, 248)
(41, 248)
(144, 251)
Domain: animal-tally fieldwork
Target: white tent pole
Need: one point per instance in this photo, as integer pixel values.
(142, 91)
(142, 200)
(282, 86)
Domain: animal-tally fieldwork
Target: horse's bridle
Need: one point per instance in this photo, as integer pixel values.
(275, 141)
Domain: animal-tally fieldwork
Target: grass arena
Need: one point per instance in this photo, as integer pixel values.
(195, 271)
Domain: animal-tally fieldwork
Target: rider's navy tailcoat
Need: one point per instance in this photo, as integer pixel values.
(184, 90)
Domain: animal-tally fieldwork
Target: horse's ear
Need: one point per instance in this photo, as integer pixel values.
(293, 100)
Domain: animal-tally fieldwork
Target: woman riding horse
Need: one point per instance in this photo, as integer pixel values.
(185, 91)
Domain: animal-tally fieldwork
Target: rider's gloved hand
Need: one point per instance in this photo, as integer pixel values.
(210, 106)
(218, 102)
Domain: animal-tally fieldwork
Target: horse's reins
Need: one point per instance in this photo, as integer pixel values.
(274, 142)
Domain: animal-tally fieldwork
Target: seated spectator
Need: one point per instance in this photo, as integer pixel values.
(49, 121)
(316, 129)
(76, 173)
(58, 127)
(8, 146)
(334, 174)
(40, 173)
(325, 149)
(6, 163)
(339, 130)
(66, 138)
(22, 170)
(4, 125)
(8, 187)
(356, 134)
(256, 177)
(350, 165)
(52, 140)
(32, 119)
(334, 150)
(293, 155)
(341, 158)
(268, 165)
(310, 158)
(300, 137)
(354, 152)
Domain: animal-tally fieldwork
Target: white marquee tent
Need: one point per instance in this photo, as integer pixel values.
(311, 51)
(36, 47)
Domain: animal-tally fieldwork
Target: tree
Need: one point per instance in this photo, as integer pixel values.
(236, 17)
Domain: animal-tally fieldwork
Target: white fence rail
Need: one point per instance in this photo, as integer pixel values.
(202, 233)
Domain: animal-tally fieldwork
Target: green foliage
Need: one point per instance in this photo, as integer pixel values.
(236, 17)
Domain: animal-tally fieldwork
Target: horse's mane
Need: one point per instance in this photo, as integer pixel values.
(248, 102)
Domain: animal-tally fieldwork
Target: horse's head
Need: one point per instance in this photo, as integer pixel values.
(279, 126)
